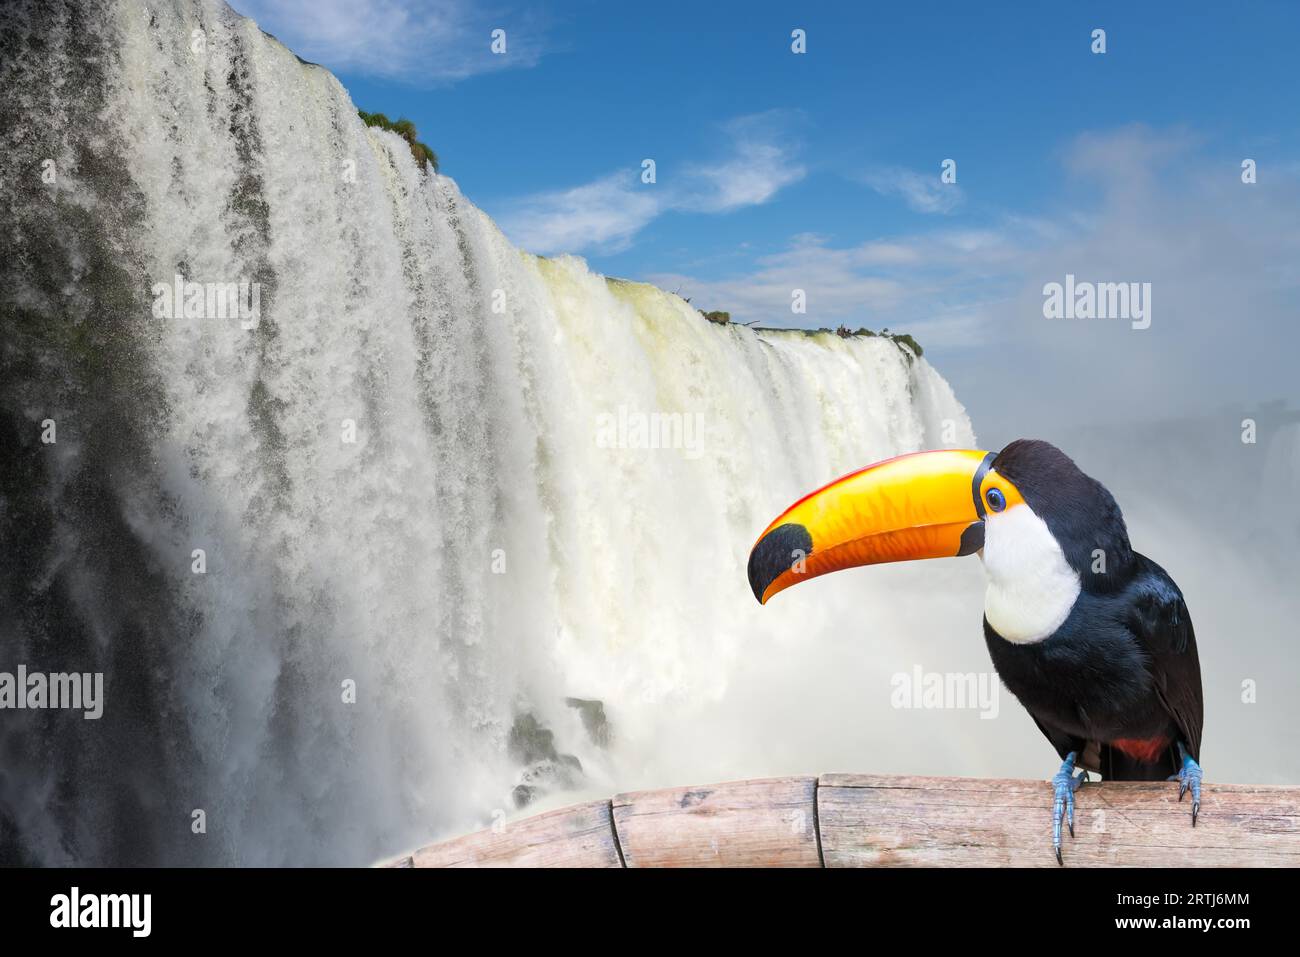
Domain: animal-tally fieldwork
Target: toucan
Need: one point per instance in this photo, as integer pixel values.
(1093, 638)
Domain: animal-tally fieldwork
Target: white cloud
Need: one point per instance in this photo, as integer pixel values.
(1143, 206)
(606, 214)
(923, 193)
(1221, 259)
(1130, 153)
(760, 166)
(423, 42)
(934, 284)
(752, 177)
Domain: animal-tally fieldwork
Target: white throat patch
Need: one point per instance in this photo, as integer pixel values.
(1031, 586)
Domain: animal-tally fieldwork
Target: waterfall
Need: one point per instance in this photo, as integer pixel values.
(327, 552)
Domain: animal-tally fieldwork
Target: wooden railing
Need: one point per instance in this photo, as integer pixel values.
(873, 820)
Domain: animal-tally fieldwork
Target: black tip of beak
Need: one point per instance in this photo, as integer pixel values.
(774, 555)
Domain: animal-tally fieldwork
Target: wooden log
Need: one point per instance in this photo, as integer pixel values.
(872, 820)
(577, 836)
(869, 820)
(771, 822)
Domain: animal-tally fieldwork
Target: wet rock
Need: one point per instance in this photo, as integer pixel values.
(529, 742)
(545, 769)
(570, 764)
(593, 717)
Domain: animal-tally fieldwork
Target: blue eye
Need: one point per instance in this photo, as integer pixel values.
(997, 501)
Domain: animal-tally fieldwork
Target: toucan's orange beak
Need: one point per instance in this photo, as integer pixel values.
(924, 505)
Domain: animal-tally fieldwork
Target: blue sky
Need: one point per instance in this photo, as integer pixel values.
(821, 170)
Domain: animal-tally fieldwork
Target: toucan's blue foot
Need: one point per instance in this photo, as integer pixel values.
(1064, 784)
(1189, 777)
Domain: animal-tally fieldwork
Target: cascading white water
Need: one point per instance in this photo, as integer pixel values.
(420, 471)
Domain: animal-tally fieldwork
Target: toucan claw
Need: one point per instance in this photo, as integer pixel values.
(1064, 784)
(1189, 778)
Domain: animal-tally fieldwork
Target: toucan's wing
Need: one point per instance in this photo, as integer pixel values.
(1159, 620)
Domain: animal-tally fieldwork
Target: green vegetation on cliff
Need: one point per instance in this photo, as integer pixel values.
(898, 338)
(406, 130)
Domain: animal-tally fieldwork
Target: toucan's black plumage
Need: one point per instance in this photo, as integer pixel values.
(1119, 682)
